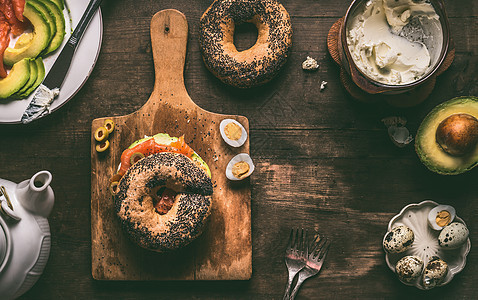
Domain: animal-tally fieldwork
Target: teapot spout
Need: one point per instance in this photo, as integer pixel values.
(36, 195)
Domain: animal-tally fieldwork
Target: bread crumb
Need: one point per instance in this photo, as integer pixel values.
(310, 64)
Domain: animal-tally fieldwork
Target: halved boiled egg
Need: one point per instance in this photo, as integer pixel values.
(239, 167)
(440, 216)
(233, 133)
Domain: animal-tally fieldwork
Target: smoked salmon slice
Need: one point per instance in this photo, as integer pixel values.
(18, 7)
(4, 41)
(18, 27)
(149, 147)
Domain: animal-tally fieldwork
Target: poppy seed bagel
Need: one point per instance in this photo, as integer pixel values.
(189, 213)
(256, 65)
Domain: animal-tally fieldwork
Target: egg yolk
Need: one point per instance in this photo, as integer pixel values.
(240, 169)
(443, 218)
(233, 131)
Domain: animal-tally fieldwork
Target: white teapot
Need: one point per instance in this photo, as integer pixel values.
(24, 232)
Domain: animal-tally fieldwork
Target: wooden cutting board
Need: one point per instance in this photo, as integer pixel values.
(224, 250)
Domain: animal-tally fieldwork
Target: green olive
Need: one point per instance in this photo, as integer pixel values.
(135, 157)
(114, 187)
(101, 134)
(103, 146)
(109, 125)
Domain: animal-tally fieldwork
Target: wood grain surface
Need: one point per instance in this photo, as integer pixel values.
(323, 160)
(224, 251)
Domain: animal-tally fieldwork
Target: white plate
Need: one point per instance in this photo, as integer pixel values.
(425, 245)
(82, 63)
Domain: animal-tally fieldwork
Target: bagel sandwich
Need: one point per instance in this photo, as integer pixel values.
(163, 196)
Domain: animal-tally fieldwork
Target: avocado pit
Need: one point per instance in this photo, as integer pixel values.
(457, 135)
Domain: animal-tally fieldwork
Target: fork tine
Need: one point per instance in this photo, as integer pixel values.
(313, 243)
(298, 240)
(301, 242)
(305, 245)
(318, 245)
(323, 251)
(291, 239)
(295, 243)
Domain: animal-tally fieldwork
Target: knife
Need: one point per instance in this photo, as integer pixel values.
(49, 89)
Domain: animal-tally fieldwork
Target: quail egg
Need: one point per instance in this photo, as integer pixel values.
(409, 268)
(239, 167)
(233, 133)
(453, 236)
(398, 240)
(440, 216)
(434, 273)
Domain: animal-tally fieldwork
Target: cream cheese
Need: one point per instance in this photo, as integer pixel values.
(379, 47)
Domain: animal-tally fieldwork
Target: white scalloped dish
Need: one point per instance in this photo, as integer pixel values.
(425, 245)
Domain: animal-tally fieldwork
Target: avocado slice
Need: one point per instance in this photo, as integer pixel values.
(431, 153)
(60, 4)
(59, 25)
(39, 79)
(204, 165)
(16, 79)
(47, 14)
(30, 82)
(40, 40)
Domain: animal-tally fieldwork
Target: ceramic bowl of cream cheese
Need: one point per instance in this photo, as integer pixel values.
(393, 46)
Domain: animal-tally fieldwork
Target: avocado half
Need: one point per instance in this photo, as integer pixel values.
(165, 139)
(428, 149)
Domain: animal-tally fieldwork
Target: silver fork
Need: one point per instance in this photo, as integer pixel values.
(295, 254)
(314, 262)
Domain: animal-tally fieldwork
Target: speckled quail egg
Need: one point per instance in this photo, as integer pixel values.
(434, 273)
(440, 216)
(232, 132)
(453, 236)
(239, 167)
(409, 268)
(398, 240)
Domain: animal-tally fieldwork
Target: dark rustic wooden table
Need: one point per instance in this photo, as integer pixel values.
(323, 161)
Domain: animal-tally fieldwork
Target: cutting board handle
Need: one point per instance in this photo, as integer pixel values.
(169, 37)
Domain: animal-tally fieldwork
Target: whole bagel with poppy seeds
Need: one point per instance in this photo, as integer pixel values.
(256, 65)
(145, 182)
